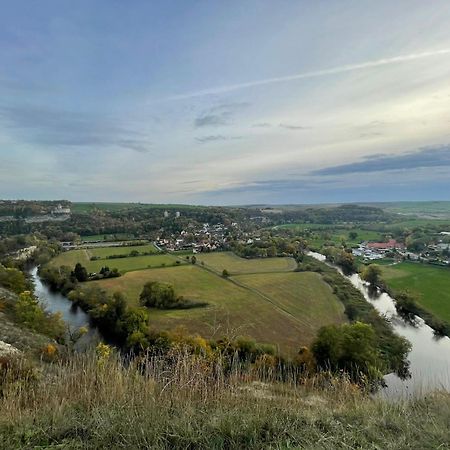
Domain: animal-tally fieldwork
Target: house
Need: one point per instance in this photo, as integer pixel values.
(392, 244)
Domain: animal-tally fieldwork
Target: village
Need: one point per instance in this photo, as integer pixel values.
(438, 253)
(205, 239)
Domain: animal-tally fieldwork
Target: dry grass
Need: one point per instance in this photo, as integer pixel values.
(188, 402)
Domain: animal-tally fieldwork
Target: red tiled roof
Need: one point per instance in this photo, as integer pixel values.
(392, 243)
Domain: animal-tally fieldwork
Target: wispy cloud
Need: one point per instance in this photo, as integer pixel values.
(218, 114)
(293, 127)
(424, 158)
(311, 74)
(217, 137)
(60, 128)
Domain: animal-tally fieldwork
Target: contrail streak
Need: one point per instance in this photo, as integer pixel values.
(313, 74)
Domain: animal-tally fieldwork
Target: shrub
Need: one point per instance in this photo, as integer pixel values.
(49, 353)
(13, 279)
(30, 313)
(162, 296)
(352, 348)
(371, 274)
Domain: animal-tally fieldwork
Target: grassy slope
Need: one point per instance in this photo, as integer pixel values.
(90, 405)
(236, 265)
(430, 282)
(240, 310)
(27, 341)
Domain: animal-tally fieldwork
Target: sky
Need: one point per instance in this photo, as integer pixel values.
(235, 102)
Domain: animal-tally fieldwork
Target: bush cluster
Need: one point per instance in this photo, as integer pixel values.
(162, 296)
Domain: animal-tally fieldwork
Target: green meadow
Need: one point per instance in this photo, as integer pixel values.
(431, 283)
(123, 264)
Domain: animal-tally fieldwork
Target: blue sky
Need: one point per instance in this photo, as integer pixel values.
(225, 102)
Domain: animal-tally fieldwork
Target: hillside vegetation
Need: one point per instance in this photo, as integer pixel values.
(96, 403)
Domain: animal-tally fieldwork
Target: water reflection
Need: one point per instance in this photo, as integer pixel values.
(56, 302)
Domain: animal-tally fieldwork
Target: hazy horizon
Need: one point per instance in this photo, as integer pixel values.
(230, 103)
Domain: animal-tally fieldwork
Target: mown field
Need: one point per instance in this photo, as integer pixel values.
(304, 295)
(239, 308)
(219, 261)
(432, 283)
(124, 265)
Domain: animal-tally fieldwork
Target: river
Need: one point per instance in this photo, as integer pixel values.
(55, 302)
(429, 356)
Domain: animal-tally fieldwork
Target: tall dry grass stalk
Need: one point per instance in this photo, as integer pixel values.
(185, 401)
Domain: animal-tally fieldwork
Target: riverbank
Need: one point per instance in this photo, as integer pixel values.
(429, 358)
(73, 316)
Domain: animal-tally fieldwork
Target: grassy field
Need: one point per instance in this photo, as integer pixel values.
(240, 309)
(236, 265)
(263, 298)
(304, 226)
(304, 295)
(319, 237)
(104, 252)
(443, 224)
(432, 283)
(124, 265)
(431, 208)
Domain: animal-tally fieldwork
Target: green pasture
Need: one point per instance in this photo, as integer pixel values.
(124, 265)
(431, 283)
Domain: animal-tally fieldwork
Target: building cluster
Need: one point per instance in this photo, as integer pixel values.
(204, 239)
(378, 250)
